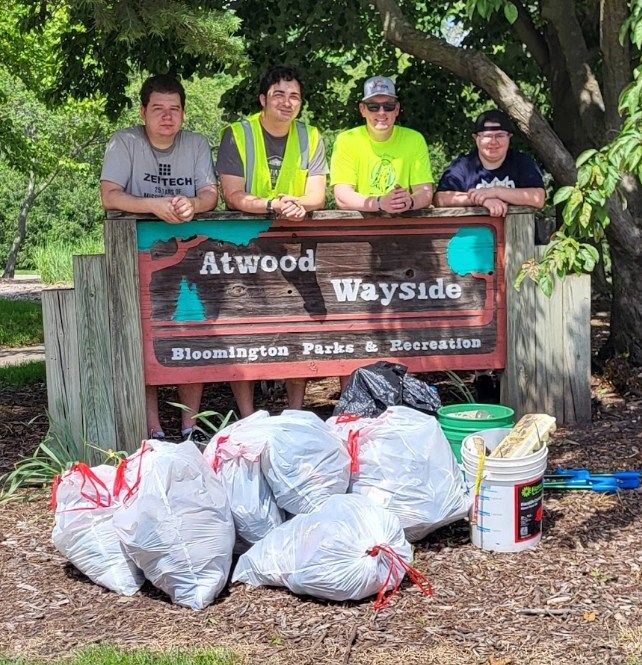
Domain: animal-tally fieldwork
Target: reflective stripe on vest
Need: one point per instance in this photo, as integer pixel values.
(249, 154)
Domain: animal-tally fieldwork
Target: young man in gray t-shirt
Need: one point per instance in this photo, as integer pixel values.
(159, 168)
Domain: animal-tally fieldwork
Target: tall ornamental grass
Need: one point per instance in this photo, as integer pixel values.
(54, 262)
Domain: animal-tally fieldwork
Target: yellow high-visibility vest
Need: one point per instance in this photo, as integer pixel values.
(300, 147)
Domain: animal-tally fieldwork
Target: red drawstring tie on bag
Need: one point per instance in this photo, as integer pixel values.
(216, 461)
(101, 496)
(384, 598)
(95, 483)
(120, 483)
(353, 436)
(353, 450)
(227, 450)
(347, 418)
(54, 491)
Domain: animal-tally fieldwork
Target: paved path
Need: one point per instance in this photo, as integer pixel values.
(20, 355)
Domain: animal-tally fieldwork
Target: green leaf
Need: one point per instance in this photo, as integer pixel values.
(583, 177)
(562, 194)
(589, 252)
(521, 275)
(585, 215)
(546, 285)
(510, 12)
(624, 31)
(572, 207)
(585, 156)
(636, 38)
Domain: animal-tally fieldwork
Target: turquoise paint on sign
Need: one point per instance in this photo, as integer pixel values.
(188, 305)
(471, 249)
(235, 231)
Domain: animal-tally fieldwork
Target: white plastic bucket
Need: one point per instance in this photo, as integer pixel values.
(511, 500)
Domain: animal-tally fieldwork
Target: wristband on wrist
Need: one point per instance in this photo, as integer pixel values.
(268, 206)
(379, 204)
(412, 203)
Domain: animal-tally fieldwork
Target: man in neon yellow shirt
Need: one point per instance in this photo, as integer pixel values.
(272, 163)
(381, 166)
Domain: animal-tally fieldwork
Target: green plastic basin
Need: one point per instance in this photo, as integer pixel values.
(457, 428)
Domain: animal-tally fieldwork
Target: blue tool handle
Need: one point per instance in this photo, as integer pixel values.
(622, 479)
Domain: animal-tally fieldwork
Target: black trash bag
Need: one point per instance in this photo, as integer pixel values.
(373, 388)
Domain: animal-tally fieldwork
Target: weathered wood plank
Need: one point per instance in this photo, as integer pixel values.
(550, 372)
(126, 337)
(94, 350)
(548, 339)
(62, 366)
(322, 215)
(518, 381)
(576, 294)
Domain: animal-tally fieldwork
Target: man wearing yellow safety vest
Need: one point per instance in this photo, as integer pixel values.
(273, 163)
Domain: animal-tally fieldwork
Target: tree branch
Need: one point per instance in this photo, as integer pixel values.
(477, 68)
(54, 174)
(562, 20)
(525, 30)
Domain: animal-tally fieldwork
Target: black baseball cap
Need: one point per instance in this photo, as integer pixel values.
(493, 120)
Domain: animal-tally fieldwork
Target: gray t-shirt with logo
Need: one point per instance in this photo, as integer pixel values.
(229, 160)
(142, 170)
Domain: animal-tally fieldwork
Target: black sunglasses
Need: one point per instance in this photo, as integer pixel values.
(373, 107)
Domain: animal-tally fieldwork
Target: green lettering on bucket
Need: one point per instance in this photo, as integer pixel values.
(531, 490)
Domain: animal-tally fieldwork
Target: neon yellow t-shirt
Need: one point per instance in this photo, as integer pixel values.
(373, 168)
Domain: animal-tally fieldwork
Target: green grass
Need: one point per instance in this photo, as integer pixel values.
(106, 655)
(21, 375)
(54, 262)
(20, 323)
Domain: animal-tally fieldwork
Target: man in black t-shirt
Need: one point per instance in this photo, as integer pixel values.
(494, 175)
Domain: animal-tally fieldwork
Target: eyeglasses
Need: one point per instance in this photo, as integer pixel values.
(487, 137)
(373, 107)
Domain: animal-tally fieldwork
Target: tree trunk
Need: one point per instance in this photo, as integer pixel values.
(625, 241)
(21, 231)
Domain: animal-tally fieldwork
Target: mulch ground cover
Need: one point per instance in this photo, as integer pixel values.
(576, 598)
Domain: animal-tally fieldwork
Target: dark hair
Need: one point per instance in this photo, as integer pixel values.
(163, 83)
(276, 74)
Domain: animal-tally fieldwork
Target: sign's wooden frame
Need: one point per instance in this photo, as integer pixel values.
(319, 335)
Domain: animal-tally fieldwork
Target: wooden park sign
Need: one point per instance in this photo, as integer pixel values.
(243, 298)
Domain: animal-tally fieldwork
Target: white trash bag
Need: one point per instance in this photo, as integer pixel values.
(84, 530)
(347, 426)
(305, 462)
(406, 465)
(176, 522)
(234, 454)
(347, 549)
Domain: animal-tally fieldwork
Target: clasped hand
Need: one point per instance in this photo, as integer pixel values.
(487, 197)
(174, 210)
(396, 200)
(289, 207)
